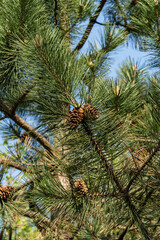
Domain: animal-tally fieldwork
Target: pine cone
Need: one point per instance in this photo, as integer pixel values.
(1, 193)
(75, 117)
(6, 193)
(90, 112)
(80, 187)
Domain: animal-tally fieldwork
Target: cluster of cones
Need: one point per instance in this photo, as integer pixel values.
(6, 193)
(77, 115)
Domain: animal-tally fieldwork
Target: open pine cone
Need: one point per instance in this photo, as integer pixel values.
(75, 117)
(6, 193)
(90, 112)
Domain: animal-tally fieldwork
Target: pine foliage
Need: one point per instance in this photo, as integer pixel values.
(85, 147)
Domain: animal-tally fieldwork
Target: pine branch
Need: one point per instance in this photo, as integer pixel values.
(34, 133)
(122, 12)
(136, 217)
(54, 74)
(10, 232)
(10, 163)
(3, 118)
(19, 101)
(55, 12)
(123, 191)
(40, 221)
(102, 156)
(90, 26)
(102, 24)
(22, 186)
(122, 235)
(18, 166)
(1, 233)
(143, 166)
(157, 17)
(22, 20)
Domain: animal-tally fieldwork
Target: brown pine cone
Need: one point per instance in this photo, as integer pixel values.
(75, 117)
(6, 192)
(90, 112)
(80, 187)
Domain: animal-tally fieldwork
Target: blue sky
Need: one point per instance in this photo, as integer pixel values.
(122, 54)
(119, 55)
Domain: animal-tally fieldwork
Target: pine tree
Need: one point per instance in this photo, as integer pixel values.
(86, 147)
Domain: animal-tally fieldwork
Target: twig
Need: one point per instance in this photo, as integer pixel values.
(41, 222)
(133, 158)
(22, 186)
(157, 17)
(122, 235)
(118, 23)
(125, 231)
(95, 21)
(32, 132)
(10, 163)
(55, 12)
(123, 191)
(122, 12)
(10, 232)
(90, 26)
(143, 166)
(19, 101)
(22, 20)
(102, 156)
(3, 118)
(1, 233)
(54, 74)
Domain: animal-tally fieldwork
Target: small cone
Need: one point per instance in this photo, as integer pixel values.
(75, 117)
(80, 187)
